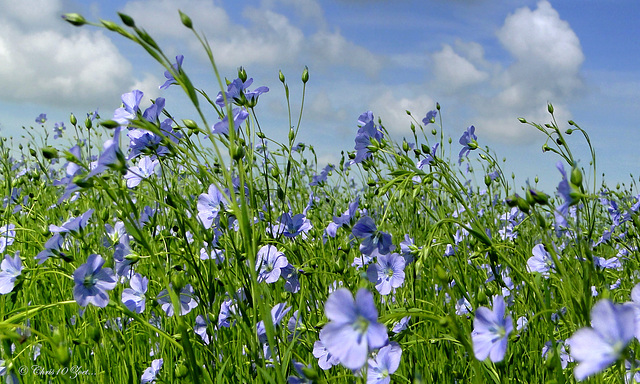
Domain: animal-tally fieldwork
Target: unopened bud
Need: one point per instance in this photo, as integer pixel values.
(186, 20)
(49, 153)
(190, 124)
(305, 74)
(73, 120)
(550, 108)
(576, 176)
(522, 120)
(281, 76)
(74, 19)
(127, 20)
(109, 124)
(88, 123)
(242, 74)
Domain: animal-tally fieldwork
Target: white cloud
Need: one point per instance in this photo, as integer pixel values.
(392, 110)
(454, 72)
(546, 68)
(263, 36)
(45, 60)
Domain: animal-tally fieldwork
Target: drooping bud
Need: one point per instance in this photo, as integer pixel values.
(186, 20)
(539, 197)
(127, 20)
(49, 153)
(110, 124)
(74, 19)
(522, 120)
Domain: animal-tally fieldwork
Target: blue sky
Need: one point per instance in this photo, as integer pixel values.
(486, 62)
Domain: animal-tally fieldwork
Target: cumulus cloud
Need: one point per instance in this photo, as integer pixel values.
(454, 72)
(547, 58)
(45, 60)
(262, 36)
(392, 110)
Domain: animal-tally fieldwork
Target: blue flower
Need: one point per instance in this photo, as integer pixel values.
(42, 118)
(149, 374)
(186, 297)
(176, 68)
(541, 261)
(468, 142)
(133, 298)
(277, 314)
(367, 132)
(130, 108)
(57, 130)
(322, 177)
(325, 359)
(238, 93)
(209, 205)
(7, 236)
(491, 329)
(597, 347)
(222, 127)
(269, 264)
(291, 226)
(387, 273)
(11, 269)
(146, 168)
(111, 156)
(93, 282)
(200, 328)
(431, 115)
(366, 229)
(386, 362)
(353, 329)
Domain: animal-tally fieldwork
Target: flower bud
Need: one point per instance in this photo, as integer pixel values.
(190, 124)
(88, 123)
(438, 106)
(110, 25)
(539, 197)
(181, 371)
(576, 176)
(127, 20)
(281, 76)
(50, 153)
(305, 74)
(242, 74)
(237, 153)
(186, 20)
(109, 124)
(74, 19)
(550, 108)
(73, 120)
(522, 120)
(62, 354)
